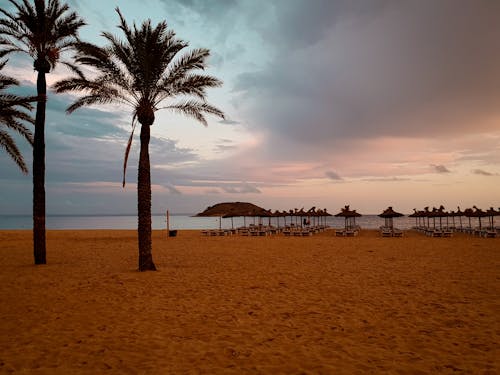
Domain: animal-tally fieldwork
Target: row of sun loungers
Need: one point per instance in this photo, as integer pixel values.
(390, 232)
(448, 231)
(262, 231)
(348, 232)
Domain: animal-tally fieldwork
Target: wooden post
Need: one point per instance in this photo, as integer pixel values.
(168, 224)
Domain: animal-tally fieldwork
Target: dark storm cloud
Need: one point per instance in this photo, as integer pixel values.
(173, 190)
(357, 69)
(482, 173)
(333, 175)
(440, 168)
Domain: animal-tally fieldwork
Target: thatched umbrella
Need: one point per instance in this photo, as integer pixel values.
(492, 213)
(388, 215)
(325, 214)
(479, 214)
(232, 209)
(440, 213)
(459, 214)
(301, 213)
(416, 215)
(349, 216)
(468, 213)
(426, 214)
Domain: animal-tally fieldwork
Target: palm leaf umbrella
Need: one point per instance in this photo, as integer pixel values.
(440, 213)
(492, 213)
(459, 214)
(349, 216)
(388, 216)
(468, 213)
(232, 209)
(479, 214)
(415, 214)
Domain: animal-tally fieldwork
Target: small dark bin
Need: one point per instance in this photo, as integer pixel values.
(172, 233)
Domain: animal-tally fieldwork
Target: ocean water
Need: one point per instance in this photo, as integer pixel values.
(179, 222)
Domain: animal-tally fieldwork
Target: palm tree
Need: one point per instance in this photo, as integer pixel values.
(12, 117)
(143, 71)
(41, 30)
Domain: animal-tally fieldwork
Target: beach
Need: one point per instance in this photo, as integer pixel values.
(317, 305)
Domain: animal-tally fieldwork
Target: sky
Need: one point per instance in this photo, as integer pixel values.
(368, 103)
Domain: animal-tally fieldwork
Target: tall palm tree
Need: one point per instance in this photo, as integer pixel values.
(42, 30)
(12, 117)
(143, 71)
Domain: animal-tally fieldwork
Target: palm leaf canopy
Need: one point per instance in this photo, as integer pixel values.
(13, 117)
(143, 70)
(42, 30)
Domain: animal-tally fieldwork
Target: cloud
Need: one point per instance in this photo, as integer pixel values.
(243, 188)
(333, 175)
(225, 145)
(440, 168)
(229, 122)
(173, 190)
(375, 70)
(481, 172)
(388, 179)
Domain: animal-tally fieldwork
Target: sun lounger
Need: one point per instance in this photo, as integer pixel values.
(397, 233)
(386, 233)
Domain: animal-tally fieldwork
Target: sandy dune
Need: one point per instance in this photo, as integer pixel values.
(250, 305)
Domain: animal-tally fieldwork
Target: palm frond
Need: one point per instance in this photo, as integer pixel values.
(129, 146)
(43, 29)
(8, 144)
(195, 109)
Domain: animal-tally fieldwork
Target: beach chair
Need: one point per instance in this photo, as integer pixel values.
(490, 234)
(397, 233)
(340, 233)
(386, 233)
(436, 233)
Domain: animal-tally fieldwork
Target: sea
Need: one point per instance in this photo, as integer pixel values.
(178, 221)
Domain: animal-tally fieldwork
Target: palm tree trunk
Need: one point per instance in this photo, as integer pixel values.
(144, 203)
(39, 173)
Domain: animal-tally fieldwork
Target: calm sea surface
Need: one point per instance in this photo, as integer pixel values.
(176, 222)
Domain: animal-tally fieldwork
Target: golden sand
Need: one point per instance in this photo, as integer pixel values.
(321, 304)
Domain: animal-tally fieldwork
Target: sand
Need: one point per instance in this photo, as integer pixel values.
(317, 305)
